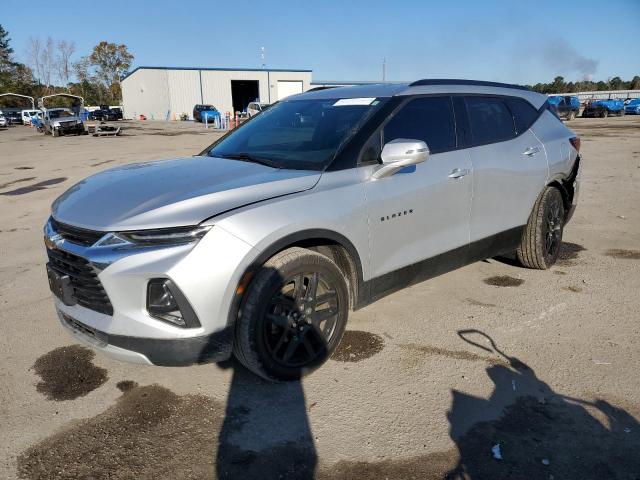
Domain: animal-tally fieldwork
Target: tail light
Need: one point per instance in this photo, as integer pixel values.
(575, 143)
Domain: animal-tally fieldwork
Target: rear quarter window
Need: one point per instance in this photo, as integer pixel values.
(491, 121)
(524, 114)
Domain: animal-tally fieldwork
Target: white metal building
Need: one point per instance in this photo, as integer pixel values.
(164, 93)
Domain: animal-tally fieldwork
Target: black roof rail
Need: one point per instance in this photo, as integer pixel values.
(326, 87)
(453, 81)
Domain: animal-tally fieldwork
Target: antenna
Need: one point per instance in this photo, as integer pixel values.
(262, 54)
(384, 69)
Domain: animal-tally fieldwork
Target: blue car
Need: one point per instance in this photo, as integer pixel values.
(566, 106)
(633, 107)
(604, 108)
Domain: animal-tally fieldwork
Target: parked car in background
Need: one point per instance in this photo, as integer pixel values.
(117, 111)
(566, 106)
(211, 112)
(27, 114)
(604, 108)
(262, 244)
(104, 115)
(256, 107)
(3, 121)
(62, 121)
(632, 107)
(13, 116)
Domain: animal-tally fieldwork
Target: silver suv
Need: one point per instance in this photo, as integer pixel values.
(262, 244)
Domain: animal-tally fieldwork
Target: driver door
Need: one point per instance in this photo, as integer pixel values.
(419, 217)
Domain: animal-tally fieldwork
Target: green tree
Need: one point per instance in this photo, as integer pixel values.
(14, 76)
(110, 62)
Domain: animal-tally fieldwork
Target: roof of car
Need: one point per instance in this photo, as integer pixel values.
(424, 87)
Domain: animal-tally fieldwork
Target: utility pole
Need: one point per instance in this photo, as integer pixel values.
(384, 69)
(264, 65)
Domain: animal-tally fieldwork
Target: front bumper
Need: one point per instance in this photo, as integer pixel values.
(66, 129)
(206, 272)
(215, 347)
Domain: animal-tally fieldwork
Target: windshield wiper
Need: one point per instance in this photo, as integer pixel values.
(247, 157)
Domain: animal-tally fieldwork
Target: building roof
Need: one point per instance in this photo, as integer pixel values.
(221, 69)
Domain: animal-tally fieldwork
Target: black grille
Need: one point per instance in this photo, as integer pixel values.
(87, 289)
(76, 235)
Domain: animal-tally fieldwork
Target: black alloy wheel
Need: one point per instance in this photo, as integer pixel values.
(301, 319)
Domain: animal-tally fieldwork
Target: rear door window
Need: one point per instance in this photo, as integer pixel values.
(429, 119)
(523, 113)
(490, 119)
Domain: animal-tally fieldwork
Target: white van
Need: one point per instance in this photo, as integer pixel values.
(27, 114)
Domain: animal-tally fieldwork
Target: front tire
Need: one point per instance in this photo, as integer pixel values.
(542, 237)
(293, 315)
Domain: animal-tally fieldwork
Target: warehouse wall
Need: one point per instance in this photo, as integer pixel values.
(165, 94)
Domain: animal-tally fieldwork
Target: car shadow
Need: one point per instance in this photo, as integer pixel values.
(526, 430)
(265, 432)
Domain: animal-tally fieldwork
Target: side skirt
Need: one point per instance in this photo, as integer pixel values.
(493, 246)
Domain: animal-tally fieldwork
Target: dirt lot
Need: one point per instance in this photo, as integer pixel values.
(427, 381)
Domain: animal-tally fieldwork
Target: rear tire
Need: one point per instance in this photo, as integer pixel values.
(542, 236)
(293, 315)
(604, 114)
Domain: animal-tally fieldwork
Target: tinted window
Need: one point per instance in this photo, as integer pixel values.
(523, 113)
(490, 119)
(430, 119)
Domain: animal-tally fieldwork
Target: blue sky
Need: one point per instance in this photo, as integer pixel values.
(512, 41)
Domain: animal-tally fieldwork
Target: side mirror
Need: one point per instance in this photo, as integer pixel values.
(400, 153)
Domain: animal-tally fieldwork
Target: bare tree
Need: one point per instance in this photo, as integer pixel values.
(48, 61)
(63, 61)
(34, 51)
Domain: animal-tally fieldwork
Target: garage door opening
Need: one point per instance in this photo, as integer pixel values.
(288, 87)
(243, 92)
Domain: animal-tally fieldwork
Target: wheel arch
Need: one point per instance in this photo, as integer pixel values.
(329, 243)
(564, 183)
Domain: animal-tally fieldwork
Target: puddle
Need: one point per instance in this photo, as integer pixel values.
(23, 168)
(621, 253)
(13, 182)
(149, 433)
(35, 187)
(568, 253)
(126, 385)
(428, 350)
(503, 281)
(357, 345)
(68, 373)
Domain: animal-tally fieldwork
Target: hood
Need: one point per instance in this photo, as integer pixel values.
(172, 193)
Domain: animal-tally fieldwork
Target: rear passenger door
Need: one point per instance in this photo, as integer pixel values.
(510, 170)
(422, 210)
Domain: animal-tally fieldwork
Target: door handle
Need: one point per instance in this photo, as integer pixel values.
(459, 172)
(531, 151)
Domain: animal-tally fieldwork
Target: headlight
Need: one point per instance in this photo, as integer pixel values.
(162, 236)
(159, 236)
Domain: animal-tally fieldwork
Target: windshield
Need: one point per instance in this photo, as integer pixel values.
(60, 113)
(296, 134)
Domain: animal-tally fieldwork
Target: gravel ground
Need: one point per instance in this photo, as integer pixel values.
(540, 366)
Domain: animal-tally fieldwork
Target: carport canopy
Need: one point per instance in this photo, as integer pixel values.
(66, 95)
(9, 94)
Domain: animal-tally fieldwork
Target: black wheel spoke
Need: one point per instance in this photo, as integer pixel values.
(291, 349)
(326, 297)
(312, 287)
(281, 341)
(322, 315)
(298, 287)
